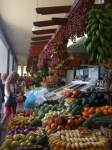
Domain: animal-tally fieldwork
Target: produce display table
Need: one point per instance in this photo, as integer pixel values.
(53, 121)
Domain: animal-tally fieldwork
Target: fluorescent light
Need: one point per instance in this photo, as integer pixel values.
(35, 28)
(99, 1)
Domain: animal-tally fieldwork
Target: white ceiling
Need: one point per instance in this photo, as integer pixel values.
(17, 18)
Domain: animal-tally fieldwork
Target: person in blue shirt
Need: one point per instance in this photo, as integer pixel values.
(2, 86)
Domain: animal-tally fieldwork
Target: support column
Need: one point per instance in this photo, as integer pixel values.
(22, 70)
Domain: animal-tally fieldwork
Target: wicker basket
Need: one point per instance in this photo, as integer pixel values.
(107, 132)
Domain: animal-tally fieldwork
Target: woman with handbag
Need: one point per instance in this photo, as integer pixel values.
(10, 95)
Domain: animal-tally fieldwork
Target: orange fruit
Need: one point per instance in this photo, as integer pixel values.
(97, 109)
(91, 111)
(110, 110)
(107, 106)
(105, 112)
(85, 114)
(86, 108)
(102, 108)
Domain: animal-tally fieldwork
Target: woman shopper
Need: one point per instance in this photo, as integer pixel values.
(10, 88)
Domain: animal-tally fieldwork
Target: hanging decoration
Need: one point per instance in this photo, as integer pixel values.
(75, 62)
(76, 22)
(75, 26)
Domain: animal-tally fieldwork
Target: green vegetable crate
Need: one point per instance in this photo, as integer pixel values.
(107, 132)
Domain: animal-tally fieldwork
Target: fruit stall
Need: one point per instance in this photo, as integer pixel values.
(84, 123)
(76, 119)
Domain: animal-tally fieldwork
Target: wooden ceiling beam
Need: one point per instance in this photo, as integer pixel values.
(32, 51)
(59, 21)
(33, 55)
(47, 31)
(40, 38)
(39, 43)
(44, 23)
(37, 46)
(53, 10)
(98, 6)
(54, 21)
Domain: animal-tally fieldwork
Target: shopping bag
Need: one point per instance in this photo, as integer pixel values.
(10, 101)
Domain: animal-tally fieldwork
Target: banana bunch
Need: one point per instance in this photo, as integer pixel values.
(59, 50)
(74, 140)
(99, 32)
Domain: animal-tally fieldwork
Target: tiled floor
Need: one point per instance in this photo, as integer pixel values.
(3, 134)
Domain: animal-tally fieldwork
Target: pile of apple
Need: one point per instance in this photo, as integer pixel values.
(61, 112)
(21, 140)
(71, 93)
(63, 123)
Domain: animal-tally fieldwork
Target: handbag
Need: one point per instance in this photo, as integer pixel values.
(10, 101)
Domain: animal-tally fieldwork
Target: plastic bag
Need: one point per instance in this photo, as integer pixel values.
(40, 99)
(30, 100)
(33, 97)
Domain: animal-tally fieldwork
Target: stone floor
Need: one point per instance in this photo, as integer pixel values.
(3, 134)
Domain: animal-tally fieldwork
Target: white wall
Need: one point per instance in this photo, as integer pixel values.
(3, 57)
(69, 77)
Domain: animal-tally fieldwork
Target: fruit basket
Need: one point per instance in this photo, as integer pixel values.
(107, 132)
